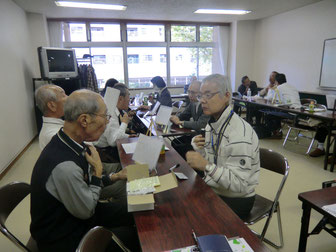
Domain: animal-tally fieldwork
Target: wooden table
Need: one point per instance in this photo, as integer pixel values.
(326, 116)
(192, 205)
(314, 200)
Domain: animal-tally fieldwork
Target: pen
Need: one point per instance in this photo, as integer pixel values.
(194, 236)
(175, 166)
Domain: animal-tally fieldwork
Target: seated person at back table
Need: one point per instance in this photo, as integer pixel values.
(116, 128)
(67, 181)
(252, 85)
(229, 153)
(164, 95)
(268, 92)
(191, 118)
(248, 84)
(50, 100)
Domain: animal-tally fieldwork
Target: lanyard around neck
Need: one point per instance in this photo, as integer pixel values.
(215, 148)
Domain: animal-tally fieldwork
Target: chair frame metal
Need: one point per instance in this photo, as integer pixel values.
(275, 203)
(21, 191)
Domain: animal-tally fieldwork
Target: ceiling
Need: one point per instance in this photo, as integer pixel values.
(172, 10)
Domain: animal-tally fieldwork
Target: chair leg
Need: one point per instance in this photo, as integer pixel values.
(262, 237)
(311, 145)
(286, 138)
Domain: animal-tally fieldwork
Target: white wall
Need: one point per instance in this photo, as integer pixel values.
(232, 55)
(292, 43)
(245, 51)
(17, 123)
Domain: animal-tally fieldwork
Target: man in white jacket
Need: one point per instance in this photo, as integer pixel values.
(229, 153)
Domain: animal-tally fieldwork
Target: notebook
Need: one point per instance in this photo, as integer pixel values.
(216, 242)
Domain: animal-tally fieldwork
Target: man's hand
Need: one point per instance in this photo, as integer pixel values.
(144, 107)
(94, 161)
(124, 118)
(199, 140)
(175, 120)
(122, 175)
(133, 135)
(196, 161)
(131, 113)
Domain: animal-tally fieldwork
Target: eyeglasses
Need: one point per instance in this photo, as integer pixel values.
(206, 96)
(105, 116)
(193, 93)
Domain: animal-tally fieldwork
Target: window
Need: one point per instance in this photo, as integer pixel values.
(206, 33)
(107, 63)
(133, 59)
(105, 32)
(183, 33)
(148, 58)
(182, 65)
(146, 51)
(77, 32)
(163, 58)
(150, 33)
(139, 75)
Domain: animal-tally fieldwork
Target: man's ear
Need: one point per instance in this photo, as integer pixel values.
(52, 106)
(84, 120)
(228, 94)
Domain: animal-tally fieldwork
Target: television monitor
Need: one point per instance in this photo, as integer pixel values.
(57, 63)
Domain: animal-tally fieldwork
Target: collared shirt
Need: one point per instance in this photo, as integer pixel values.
(289, 94)
(49, 128)
(113, 132)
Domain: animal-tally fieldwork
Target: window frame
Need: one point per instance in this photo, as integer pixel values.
(124, 44)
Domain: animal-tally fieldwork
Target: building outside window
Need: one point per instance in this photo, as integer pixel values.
(190, 51)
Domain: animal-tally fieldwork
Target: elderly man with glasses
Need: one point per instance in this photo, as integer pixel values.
(67, 180)
(229, 153)
(191, 118)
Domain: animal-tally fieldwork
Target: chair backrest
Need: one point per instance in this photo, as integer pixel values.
(95, 240)
(178, 104)
(10, 196)
(273, 161)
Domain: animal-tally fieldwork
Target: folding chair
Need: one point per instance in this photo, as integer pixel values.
(10, 196)
(97, 239)
(263, 207)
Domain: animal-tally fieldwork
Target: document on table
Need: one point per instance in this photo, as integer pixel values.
(163, 115)
(147, 151)
(330, 209)
(130, 147)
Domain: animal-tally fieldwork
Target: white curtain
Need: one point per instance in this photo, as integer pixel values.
(55, 34)
(221, 50)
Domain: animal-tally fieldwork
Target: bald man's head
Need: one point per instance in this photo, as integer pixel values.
(81, 102)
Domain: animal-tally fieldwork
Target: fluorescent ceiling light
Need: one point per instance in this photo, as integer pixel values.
(218, 11)
(90, 5)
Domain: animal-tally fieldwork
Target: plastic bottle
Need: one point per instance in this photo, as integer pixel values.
(163, 149)
(311, 107)
(249, 94)
(145, 101)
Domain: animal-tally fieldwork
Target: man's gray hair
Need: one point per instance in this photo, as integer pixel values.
(43, 95)
(122, 87)
(222, 82)
(81, 102)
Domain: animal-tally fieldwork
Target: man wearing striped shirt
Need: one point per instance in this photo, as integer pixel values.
(229, 153)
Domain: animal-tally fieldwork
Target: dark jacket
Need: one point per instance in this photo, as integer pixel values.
(164, 98)
(253, 86)
(200, 120)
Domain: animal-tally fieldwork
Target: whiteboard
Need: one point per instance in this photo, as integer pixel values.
(328, 66)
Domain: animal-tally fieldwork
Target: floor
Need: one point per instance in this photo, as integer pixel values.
(305, 174)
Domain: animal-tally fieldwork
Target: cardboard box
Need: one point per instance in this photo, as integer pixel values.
(146, 202)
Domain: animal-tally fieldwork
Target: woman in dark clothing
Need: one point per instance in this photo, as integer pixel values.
(164, 95)
(109, 83)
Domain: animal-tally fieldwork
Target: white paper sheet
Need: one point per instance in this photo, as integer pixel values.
(147, 151)
(111, 99)
(163, 115)
(330, 101)
(129, 147)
